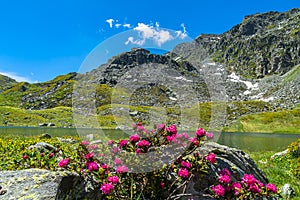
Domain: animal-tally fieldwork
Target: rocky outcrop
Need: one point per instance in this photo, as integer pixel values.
(235, 160)
(263, 44)
(38, 184)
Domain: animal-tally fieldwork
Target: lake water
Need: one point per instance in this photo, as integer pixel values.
(244, 141)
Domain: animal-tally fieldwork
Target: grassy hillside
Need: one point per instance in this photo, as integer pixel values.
(285, 121)
(11, 116)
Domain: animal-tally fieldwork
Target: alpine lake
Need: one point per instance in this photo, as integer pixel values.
(252, 142)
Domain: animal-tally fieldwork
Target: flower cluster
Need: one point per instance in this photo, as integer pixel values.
(248, 188)
(96, 161)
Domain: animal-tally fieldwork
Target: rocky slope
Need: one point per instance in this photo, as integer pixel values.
(263, 44)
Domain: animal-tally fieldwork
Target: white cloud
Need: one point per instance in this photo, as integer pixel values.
(181, 34)
(129, 40)
(118, 25)
(158, 35)
(110, 22)
(157, 24)
(127, 25)
(148, 32)
(16, 77)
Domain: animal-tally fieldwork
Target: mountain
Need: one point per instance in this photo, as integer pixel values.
(252, 68)
(263, 44)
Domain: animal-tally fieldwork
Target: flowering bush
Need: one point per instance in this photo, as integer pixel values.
(112, 174)
(111, 171)
(248, 188)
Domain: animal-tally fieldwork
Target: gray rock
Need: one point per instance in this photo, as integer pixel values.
(51, 124)
(287, 191)
(43, 124)
(235, 160)
(41, 146)
(67, 140)
(38, 184)
(96, 142)
(46, 135)
(279, 154)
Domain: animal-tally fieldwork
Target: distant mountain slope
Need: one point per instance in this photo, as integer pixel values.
(6, 82)
(263, 44)
(57, 92)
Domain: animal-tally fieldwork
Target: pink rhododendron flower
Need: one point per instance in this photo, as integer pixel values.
(123, 143)
(116, 149)
(141, 129)
(143, 143)
(182, 172)
(194, 141)
(271, 187)
(185, 135)
(134, 138)
(171, 138)
(105, 166)
(237, 187)
(92, 166)
(134, 126)
(63, 162)
(209, 135)
(161, 126)
(211, 158)
(89, 155)
(254, 188)
(219, 190)
(84, 143)
(172, 129)
(25, 157)
(200, 132)
(260, 184)
(185, 164)
(138, 151)
(249, 179)
(113, 179)
(92, 147)
(225, 171)
(110, 142)
(224, 179)
(117, 161)
(106, 188)
(121, 169)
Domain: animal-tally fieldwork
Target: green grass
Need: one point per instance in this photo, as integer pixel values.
(278, 170)
(292, 74)
(60, 116)
(285, 121)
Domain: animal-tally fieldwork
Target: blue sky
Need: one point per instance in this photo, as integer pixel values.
(40, 40)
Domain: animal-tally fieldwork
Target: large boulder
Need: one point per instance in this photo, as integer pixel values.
(44, 185)
(235, 160)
